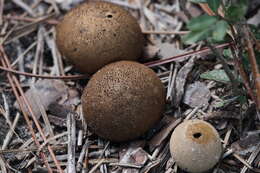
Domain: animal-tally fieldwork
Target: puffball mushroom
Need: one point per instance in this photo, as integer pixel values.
(123, 100)
(195, 145)
(97, 33)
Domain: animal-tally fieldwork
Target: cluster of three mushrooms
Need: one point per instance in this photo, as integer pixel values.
(124, 99)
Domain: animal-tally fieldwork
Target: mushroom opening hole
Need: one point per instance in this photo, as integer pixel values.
(197, 135)
(109, 16)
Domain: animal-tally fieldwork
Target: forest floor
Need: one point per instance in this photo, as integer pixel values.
(195, 82)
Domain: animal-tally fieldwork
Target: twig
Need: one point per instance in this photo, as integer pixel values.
(51, 139)
(69, 77)
(24, 53)
(101, 161)
(39, 51)
(254, 66)
(24, 6)
(30, 150)
(251, 158)
(82, 155)
(3, 165)
(225, 66)
(165, 32)
(242, 160)
(24, 30)
(52, 46)
(10, 133)
(149, 64)
(243, 74)
(227, 137)
(178, 57)
(1, 11)
(71, 125)
(206, 8)
(29, 19)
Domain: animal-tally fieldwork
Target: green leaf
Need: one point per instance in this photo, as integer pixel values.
(220, 30)
(198, 1)
(223, 103)
(202, 22)
(195, 36)
(227, 53)
(256, 31)
(216, 75)
(214, 4)
(242, 99)
(236, 12)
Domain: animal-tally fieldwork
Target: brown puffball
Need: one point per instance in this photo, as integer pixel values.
(195, 145)
(97, 33)
(123, 100)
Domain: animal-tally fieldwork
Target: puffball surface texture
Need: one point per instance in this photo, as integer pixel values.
(123, 100)
(95, 34)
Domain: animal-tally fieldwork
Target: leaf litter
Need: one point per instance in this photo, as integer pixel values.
(27, 33)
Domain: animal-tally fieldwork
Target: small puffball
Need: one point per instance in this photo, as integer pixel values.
(195, 145)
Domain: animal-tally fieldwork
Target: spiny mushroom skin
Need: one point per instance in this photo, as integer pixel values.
(123, 100)
(195, 146)
(97, 33)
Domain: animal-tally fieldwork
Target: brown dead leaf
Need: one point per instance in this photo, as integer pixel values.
(247, 144)
(43, 92)
(197, 95)
(134, 156)
(181, 81)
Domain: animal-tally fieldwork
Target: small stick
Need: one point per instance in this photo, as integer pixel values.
(243, 74)
(165, 32)
(1, 11)
(96, 166)
(192, 53)
(10, 133)
(82, 155)
(71, 124)
(69, 77)
(24, 6)
(254, 66)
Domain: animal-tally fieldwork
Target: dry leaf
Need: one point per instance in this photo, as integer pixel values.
(43, 92)
(197, 95)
